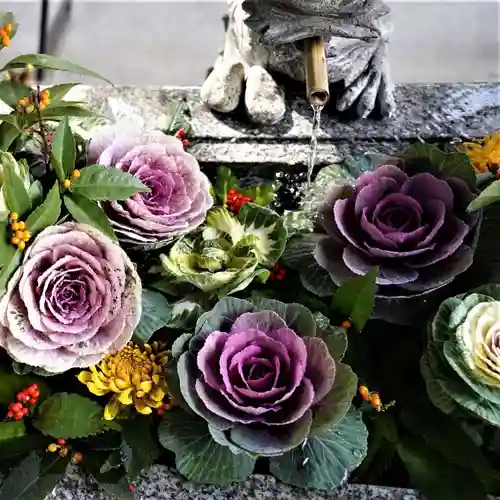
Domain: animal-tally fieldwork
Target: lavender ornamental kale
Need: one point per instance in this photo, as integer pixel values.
(415, 228)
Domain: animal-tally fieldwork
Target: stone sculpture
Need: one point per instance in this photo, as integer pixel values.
(265, 36)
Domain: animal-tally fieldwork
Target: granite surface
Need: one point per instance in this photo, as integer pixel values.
(435, 112)
(431, 112)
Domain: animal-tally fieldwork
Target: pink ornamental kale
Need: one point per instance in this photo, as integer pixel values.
(179, 195)
(415, 228)
(75, 298)
(257, 375)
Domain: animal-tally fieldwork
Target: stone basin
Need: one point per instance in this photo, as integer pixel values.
(430, 112)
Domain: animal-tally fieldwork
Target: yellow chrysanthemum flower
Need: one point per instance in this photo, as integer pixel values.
(135, 374)
(484, 154)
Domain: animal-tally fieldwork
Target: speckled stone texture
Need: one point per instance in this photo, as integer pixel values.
(159, 483)
(430, 112)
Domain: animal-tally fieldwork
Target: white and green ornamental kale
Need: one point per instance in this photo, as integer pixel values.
(462, 363)
(230, 252)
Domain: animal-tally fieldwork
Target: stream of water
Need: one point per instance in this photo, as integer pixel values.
(313, 146)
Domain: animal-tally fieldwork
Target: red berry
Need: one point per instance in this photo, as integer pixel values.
(35, 394)
(22, 396)
(24, 411)
(231, 192)
(272, 277)
(160, 412)
(10, 414)
(132, 488)
(181, 132)
(185, 143)
(35, 386)
(18, 416)
(279, 277)
(31, 390)
(16, 407)
(497, 174)
(61, 442)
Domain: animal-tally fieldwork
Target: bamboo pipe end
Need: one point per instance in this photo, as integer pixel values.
(316, 68)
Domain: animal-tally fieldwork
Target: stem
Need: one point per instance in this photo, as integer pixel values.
(41, 131)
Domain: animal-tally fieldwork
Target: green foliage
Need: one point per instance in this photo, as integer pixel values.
(59, 91)
(11, 261)
(45, 61)
(197, 456)
(6, 248)
(435, 476)
(184, 314)
(69, 416)
(488, 196)
(156, 313)
(427, 157)
(16, 194)
(12, 92)
(139, 449)
(47, 213)
(100, 183)
(63, 150)
(9, 132)
(324, 461)
(88, 212)
(34, 478)
(11, 430)
(355, 298)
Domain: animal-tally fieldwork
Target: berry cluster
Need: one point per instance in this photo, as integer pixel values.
(374, 399)
(74, 175)
(278, 272)
(19, 233)
(5, 34)
(28, 396)
(28, 105)
(63, 450)
(236, 200)
(180, 134)
(163, 408)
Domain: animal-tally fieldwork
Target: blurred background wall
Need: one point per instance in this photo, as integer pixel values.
(175, 42)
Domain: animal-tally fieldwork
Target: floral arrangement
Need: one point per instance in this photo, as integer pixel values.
(151, 312)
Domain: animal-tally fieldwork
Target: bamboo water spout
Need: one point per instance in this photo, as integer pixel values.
(318, 91)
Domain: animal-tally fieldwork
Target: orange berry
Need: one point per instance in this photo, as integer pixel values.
(346, 324)
(15, 240)
(77, 457)
(36, 394)
(26, 236)
(21, 245)
(76, 174)
(42, 106)
(13, 216)
(21, 225)
(63, 452)
(19, 234)
(44, 94)
(375, 400)
(52, 448)
(364, 392)
(67, 183)
(15, 226)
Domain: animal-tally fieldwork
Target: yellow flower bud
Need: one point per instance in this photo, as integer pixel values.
(52, 448)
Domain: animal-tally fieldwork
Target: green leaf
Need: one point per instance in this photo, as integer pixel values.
(45, 61)
(11, 430)
(139, 449)
(69, 416)
(428, 157)
(88, 212)
(335, 405)
(11, 384)
(102, 183)
(261, 194)
(63, 150)
(12, 92)
(63, 110)
(224, 181)
(16, 195)
(448, 437)
(12, 119)
(6, 248)
(436, 477)
(156, 313)
(184, 315)
(57, 92)
(489, 195)
(335, 337)
(14, 448)
(197, 456)
(299, 255)
(11, 263)
(47, 213)
(355, 298)
(325, 461)
(34, 478)
(36, 193)
(114, 461)
(9, 132)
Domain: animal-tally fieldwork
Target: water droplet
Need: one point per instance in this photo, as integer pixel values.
(304, 462)
(340, 433)
(357, 453)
